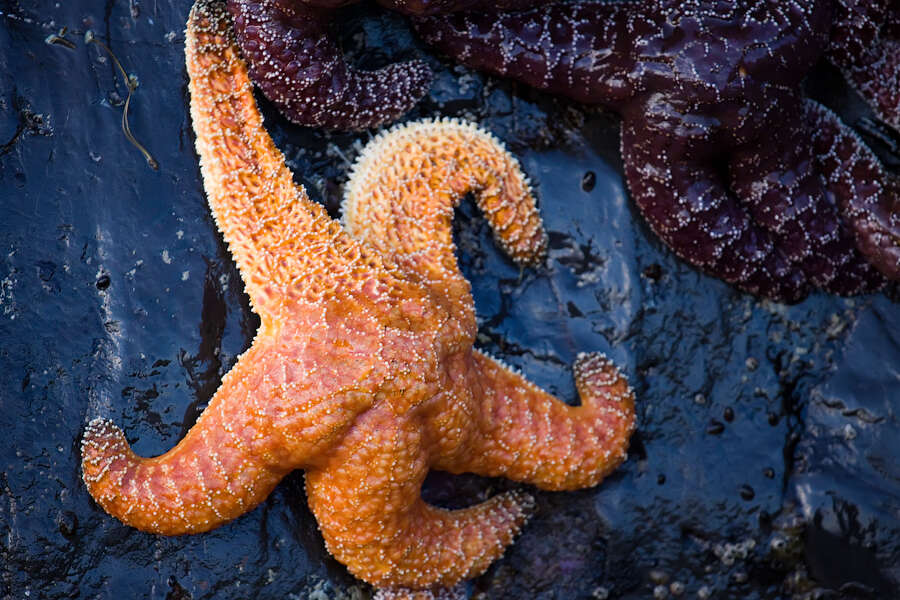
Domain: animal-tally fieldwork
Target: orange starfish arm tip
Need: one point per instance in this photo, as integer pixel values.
(405, 184)
(528, 435)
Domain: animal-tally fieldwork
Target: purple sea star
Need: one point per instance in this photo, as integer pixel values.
(299, 66)
(731, 166)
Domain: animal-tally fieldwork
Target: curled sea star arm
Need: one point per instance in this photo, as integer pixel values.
(406, 183)
(528, 435)
(282, 242)
(367, 503)
(865, 45)
(297, 64)
(579, 50)
(687, 204)
(785, 193)
(868, 196)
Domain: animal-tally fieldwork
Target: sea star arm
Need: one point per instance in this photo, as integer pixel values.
(423, 8)
(687, 204)
(216, 473)
(284, 244)
(401, 195)
(528, 435)
(367, 502)
(786, 195)
(868, 196)
(298, 65)
(276, 410)
(866, 48)
(580, 50)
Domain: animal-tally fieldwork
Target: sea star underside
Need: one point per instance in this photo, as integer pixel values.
(731, 166)
(362, 371)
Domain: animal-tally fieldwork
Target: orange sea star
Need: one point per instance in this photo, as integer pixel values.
(362, 372)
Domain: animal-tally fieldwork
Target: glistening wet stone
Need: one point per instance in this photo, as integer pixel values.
(813, 388)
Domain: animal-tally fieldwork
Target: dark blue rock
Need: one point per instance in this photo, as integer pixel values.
(764, 465)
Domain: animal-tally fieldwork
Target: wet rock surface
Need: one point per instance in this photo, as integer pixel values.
(765, 461)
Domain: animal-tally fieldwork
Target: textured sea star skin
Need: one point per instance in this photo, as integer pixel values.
(865, 45)
(362, 372)
(701, 87)
(868, 196)
(298, 65)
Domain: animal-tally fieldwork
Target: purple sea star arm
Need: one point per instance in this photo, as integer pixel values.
(716, 142)
(298, 66)
(290, 4)
(786, 195)
(868, 196)
(687, 204)
(866, 47)
(580, 50)
(421, 8)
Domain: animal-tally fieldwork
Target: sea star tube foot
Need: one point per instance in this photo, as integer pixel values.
(362, 372)
(299, 67)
